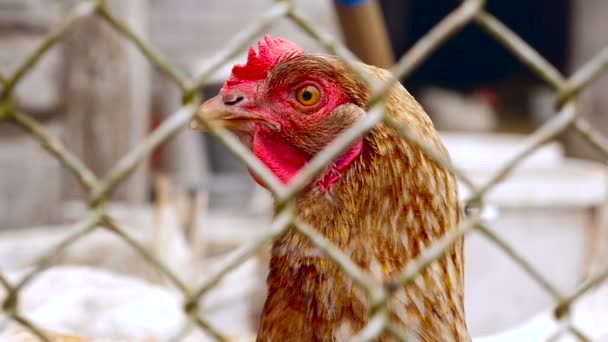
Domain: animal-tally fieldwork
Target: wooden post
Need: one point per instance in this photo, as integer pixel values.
(107, 88)
(588, 28)
(364, 30)
(587, 39)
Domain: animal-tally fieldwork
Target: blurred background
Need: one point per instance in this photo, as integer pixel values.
(192, 202)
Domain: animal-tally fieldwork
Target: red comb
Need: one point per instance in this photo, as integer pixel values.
(258, 64)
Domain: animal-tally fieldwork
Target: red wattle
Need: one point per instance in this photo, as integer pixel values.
(335, 171)
(285, 161)
(280, 157)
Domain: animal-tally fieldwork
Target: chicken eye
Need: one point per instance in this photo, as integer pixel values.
(308, 95)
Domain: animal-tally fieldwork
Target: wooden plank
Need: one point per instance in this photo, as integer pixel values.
(191, 30)
(39, 93)
(30, 186)
(108, 92)
(34, 15)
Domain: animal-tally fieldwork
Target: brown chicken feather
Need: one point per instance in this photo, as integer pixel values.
(390, 204)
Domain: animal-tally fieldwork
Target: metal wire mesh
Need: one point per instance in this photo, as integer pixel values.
(99, 190)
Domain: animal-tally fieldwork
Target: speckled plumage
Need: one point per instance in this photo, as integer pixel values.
(382, 203)
(390, 204)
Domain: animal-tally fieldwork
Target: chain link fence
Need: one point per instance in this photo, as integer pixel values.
(99, 189)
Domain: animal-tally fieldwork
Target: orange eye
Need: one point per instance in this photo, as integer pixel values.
(308, 95)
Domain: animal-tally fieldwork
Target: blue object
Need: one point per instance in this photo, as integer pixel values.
(350, 2)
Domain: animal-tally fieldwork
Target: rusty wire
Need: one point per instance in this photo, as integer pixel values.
(99, 190)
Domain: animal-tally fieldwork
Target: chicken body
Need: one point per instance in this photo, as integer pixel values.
(382, 203)
(391, 204)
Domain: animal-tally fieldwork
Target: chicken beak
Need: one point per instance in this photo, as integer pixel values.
(230, 116)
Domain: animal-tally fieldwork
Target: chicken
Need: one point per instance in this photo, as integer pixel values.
(382, 202)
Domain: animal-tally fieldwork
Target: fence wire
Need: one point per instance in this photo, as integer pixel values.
(100, 189)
